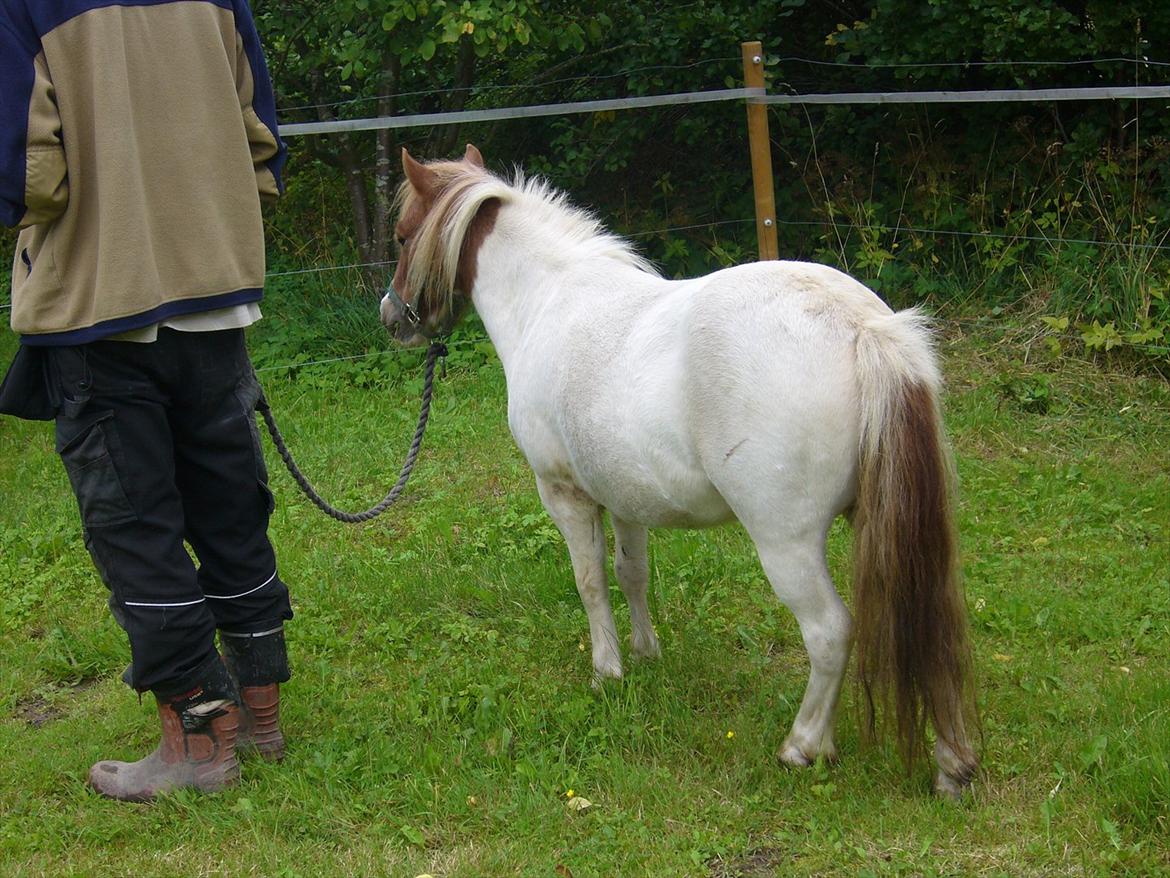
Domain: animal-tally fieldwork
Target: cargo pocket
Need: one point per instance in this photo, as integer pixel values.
(248, 394)
(85, 447)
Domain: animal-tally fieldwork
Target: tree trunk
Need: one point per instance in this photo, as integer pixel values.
(383, 232)
(355, 182)
(444, 137)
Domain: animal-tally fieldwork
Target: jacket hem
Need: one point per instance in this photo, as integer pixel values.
(118, 325)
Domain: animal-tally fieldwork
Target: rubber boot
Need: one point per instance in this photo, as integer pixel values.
(258, 663)
(260, 722)
(197, 751)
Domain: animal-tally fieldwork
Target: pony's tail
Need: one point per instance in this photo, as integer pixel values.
(913, 649)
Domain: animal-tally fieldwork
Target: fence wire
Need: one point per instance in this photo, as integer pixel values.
(592, 79)
(998, 96)
(511, 87)
(837, 226)
(955, 233)
(943, 65)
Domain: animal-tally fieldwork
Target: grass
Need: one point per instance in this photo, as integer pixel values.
(441, 710)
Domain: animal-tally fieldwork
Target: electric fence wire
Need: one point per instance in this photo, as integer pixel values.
(972, 64)
(321, 268)
(417, 120)
(942, 233)
(836, 226)
(823, 223)
(983, 96)
(787, 59)
(469, 342)
(350, 266)
(513, 87)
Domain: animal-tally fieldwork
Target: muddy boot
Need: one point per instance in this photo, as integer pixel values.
(197, 751)
(260, 722)
(259, 664)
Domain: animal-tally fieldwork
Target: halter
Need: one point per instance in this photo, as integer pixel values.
(409, 312)
(414, 320)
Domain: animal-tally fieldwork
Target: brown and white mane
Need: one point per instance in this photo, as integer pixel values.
(447, 208)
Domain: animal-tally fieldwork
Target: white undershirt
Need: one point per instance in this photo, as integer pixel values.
(235, 317)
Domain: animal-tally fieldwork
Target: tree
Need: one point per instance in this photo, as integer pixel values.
(357, 58)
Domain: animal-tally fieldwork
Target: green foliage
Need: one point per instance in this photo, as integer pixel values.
(353, 42)
(1032, 393)
(1010, 42)
(970, 172)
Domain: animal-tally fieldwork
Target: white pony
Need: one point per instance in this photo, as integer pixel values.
(780, 394)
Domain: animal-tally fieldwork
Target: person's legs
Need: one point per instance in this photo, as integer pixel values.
(219, 467)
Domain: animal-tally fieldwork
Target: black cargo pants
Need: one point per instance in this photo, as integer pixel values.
(162, 449)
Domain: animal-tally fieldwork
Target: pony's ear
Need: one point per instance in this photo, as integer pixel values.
(420, 176)
(473, 156)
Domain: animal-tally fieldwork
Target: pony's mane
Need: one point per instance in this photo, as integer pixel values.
(462, 190)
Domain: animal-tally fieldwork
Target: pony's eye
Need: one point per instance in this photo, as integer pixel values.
(401, 241)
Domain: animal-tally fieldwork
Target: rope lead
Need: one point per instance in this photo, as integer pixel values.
(436, 351)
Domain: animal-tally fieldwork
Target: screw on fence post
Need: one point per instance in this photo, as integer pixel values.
(761, 151)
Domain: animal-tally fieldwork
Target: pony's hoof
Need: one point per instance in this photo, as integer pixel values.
(646, 651)
(792, 756)
(952, 788)
(602, 676)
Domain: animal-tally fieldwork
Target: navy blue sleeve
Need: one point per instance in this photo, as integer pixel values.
(263, 100)
(16, 84)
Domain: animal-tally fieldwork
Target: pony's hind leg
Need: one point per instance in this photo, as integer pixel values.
(956, 759)
(800, 578)
(578, 518)
(633, 574)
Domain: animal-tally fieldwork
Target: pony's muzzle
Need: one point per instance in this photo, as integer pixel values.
(389, 313)
(402, 322)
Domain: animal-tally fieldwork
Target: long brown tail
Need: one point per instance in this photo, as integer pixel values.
(911, 631)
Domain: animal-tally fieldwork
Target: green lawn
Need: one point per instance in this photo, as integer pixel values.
(441, 709)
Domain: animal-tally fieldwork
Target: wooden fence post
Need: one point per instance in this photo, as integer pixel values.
(761, 150)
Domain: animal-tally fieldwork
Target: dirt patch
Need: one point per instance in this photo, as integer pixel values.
(36, 712)
(762, 863)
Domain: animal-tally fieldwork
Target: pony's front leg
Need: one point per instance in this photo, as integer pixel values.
(578, 518)
(633, 573)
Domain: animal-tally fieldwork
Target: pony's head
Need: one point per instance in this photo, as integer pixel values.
(445, 210)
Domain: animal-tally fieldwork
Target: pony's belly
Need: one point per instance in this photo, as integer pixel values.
(652, 508)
